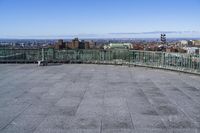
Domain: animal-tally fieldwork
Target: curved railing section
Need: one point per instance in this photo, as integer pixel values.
(171, 61)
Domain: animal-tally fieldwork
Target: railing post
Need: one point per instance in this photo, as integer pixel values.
(53, 54)
(43, 58)
(163, 60)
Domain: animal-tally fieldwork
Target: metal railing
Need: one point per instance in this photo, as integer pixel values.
(172, 61)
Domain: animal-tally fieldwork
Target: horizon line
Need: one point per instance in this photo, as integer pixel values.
(111, 38)
(176, 34)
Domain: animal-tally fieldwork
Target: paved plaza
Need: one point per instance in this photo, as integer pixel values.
(79, 98)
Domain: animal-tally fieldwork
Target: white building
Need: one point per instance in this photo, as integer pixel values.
(192, 50)
(118, 45)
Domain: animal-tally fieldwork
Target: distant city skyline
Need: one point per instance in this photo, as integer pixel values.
(53, 19)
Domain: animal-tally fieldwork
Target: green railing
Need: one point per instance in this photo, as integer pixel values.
(172, 61)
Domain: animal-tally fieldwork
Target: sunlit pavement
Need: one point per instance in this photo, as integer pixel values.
(97, 99)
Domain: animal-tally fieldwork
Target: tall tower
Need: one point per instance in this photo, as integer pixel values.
(163, 38)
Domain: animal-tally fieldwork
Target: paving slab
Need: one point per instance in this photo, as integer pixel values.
(83, 98)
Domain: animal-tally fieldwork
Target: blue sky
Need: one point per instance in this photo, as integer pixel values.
(99, 18)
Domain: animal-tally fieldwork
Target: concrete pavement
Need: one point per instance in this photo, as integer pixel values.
(97, 99)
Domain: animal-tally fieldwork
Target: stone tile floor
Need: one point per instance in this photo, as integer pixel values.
(97, 99)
